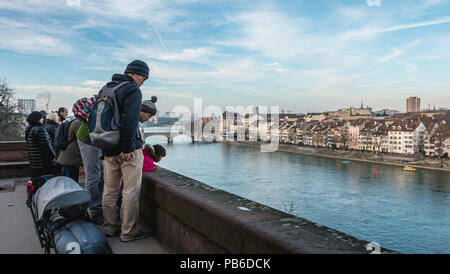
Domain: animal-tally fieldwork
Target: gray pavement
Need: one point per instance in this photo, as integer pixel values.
(18, 234)
(144, 246)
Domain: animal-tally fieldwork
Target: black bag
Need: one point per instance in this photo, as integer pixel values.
(62, 135)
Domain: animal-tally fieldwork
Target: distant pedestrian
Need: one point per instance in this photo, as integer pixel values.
(126, 159)
(51, 125)
(93, 165)
(62, 114)
(39, 146)
(70, 157)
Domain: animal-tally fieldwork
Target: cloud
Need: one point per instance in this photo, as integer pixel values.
(276, 67)
(79, 91)
(352, 13)
(195, 55)
(399, 51)
(271, 33)
(31, 38)
(94, 83)
(166, 94)
(371, 31)
(395, 53)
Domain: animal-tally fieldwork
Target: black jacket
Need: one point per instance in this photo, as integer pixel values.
(51, 127)
(39, 146)
(129, 98)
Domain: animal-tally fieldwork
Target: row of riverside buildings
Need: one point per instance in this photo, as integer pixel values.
(419, 133)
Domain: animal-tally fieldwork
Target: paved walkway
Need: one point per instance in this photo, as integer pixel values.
(18, 235)
(144, 246)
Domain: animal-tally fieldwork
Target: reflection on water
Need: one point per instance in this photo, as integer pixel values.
(405, 211)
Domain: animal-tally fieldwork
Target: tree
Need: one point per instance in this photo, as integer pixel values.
(11, 121)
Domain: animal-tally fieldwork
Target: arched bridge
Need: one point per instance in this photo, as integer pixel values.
(169, 132)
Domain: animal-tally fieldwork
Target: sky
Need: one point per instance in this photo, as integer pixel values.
(300, 55)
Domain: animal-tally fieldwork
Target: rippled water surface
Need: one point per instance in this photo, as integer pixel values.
(405, 211)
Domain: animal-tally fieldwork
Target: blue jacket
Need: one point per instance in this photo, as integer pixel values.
(129, 98)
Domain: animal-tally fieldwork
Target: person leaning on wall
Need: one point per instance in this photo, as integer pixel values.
(126, 159)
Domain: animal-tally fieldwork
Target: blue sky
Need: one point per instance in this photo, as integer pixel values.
(299, 55)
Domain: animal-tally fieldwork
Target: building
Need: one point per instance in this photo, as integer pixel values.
(406, 137)
(26, 106)
(353, 133)
(413, 104)
(352, 113)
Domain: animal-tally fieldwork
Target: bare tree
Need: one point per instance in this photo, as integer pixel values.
(11, 122)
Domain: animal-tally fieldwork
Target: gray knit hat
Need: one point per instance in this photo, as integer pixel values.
(149, 107)
(138, 67)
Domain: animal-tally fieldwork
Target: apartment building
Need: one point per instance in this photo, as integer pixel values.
(406, 137)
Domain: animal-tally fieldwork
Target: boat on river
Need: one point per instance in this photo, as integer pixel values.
(409, 168)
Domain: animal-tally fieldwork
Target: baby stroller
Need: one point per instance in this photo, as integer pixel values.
(58, 207)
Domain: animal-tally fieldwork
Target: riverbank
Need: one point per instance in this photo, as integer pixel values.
(370, 157)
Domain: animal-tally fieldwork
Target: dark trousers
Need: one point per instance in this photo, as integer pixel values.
(70, 171)
(37, 172)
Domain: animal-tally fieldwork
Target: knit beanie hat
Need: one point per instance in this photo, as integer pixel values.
(52, 116)
(83, 108)
(159, 150)
(149, 107)
(138, 67)
(34, 117)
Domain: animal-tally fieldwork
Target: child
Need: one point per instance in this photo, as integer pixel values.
(152, 155)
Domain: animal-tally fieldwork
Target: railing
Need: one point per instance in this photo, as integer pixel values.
(14, 160)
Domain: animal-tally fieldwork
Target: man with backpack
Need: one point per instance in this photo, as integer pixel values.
(122, 149)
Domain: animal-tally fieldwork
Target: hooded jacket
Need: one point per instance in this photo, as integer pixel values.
(129, 98)
(39, 146)
(51, 127)
(71, 156)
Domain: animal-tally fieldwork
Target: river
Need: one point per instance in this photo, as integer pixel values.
(405, 211)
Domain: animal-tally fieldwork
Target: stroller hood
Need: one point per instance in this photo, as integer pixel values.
(59, 192)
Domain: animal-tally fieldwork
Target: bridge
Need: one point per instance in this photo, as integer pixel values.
(169, 132)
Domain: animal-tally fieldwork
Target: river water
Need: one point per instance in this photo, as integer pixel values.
(405, 211)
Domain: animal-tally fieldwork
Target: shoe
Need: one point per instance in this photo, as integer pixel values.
(138, 236)
(109, 233)
(98, 219)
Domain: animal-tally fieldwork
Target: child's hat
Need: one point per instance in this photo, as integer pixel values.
(149, 107)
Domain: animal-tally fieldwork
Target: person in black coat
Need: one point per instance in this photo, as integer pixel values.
(51, 125)
(40, 150)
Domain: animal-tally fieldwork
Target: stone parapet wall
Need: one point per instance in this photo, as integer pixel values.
(188, 216)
